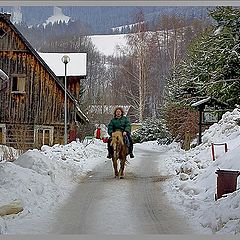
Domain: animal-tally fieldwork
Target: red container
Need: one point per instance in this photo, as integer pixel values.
(105, 140)
(226, 182)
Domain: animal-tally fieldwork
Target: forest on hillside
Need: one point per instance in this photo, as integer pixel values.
(101, 19)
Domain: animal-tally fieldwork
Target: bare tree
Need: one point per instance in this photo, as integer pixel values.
(137, 65)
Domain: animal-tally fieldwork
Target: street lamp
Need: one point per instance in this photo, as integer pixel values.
(65, 60)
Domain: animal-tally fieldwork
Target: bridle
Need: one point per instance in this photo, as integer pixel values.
(116, 145)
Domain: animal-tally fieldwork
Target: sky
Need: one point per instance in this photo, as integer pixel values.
(40, 180)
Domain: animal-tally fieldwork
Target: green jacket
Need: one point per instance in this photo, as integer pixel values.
(123, 124)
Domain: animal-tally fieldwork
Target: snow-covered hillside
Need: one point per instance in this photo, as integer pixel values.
(109, 44)
(57, 17)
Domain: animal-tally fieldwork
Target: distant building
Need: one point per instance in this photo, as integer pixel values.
(104, 113)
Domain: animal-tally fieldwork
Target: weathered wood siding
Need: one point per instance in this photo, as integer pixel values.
(42, 103)
(73, 85)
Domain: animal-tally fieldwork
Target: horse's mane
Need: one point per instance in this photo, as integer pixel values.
(119, 152)
(117, 136)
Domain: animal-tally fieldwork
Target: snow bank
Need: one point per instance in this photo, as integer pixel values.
(196, 191)
(42, 179)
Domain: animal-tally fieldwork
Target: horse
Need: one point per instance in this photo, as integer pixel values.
(120, 151)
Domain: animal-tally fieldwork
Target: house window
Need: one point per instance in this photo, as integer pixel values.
(2, 134)
(2, 33)
(18, 84)
(43, 135)
(46, 135)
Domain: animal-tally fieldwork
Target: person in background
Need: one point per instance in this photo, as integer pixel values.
(120, 123)
(72, 132)
(98, 133)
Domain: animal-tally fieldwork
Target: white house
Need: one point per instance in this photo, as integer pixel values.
(77, 65)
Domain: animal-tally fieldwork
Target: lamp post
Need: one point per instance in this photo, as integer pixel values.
(65, 60)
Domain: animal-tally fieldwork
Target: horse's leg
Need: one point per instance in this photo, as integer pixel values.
(115, 167)
(121, 171)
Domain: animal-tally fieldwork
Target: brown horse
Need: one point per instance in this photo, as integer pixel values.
(119, 153)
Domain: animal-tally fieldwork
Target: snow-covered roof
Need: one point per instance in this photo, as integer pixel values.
(201, 102)
(77, 65)
(211, 101)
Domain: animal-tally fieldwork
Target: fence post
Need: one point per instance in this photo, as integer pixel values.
(226, 147)
(213, 157)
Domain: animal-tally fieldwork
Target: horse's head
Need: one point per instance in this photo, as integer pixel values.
(119, 152)
(117, 141)
(117, 138)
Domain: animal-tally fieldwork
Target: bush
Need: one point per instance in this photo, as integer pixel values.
(152, 129)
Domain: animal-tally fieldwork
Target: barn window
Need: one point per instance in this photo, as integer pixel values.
(2, 33)
(18, 84)
(2, 134)
(43, 135)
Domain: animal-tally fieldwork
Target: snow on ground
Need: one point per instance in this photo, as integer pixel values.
(196, 195)
(42, 179)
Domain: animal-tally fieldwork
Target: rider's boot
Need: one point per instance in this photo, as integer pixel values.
(131, 155)
(131, 151)
(130, 146)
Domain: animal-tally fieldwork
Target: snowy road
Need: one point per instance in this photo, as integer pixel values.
(134, 205)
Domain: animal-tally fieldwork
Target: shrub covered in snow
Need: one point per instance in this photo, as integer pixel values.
(152, 129)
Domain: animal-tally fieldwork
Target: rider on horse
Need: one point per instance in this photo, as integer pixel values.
(120, 123)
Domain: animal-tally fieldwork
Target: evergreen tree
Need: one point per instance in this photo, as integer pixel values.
(212, 64)
(152, 129)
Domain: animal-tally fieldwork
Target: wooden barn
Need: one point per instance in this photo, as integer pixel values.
(32, 100)
(76, 69)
